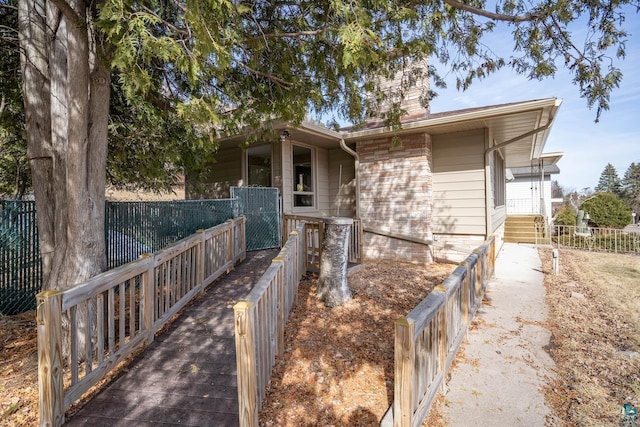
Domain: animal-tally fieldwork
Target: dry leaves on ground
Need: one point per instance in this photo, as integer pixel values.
(337, 369)
(18, 370)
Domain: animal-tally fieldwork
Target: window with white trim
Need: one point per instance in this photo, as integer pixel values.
(303, 177)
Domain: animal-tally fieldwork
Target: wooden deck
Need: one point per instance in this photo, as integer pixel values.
(187, 377)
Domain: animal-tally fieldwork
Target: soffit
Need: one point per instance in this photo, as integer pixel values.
(504, 123)
(306, 132)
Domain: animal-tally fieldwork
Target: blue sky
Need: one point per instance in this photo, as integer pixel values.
(587, 146)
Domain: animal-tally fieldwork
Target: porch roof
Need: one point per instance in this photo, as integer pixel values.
(517, 122)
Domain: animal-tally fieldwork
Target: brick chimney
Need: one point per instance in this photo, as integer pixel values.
(409, 85)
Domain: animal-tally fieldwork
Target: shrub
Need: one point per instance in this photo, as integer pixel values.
(607, 210)
(565, 216)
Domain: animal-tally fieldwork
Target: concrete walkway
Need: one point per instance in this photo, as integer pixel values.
(505, 364)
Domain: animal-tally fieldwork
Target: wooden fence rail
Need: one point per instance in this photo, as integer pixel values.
(314, 236)
(113, 314)
(427, 339)
(260, 322)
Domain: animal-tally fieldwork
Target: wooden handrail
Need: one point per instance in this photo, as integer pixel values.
(314, 236)
(142, 295)
(428, 337)
(260, 320)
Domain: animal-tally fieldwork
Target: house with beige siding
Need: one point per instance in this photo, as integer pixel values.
(529, 188)
(434, 189)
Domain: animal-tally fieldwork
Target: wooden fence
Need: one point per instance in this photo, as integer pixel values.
(314, 236)
(114, 314)
(260, 322)
(427, 339)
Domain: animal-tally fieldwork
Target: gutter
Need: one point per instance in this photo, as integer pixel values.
(348, 150)
(459, 117)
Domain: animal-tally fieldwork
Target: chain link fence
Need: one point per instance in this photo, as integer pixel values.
(20, 265)
(261, 207)
(131, 229)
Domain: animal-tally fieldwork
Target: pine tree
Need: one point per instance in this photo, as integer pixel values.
(631, 187)
(609, 181)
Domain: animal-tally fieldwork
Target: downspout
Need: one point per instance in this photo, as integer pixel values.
(348, 150)
(488, 152)
(543, 207)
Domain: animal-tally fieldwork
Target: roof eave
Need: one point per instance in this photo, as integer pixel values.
(548, 103)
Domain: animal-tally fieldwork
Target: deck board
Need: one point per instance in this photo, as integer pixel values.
(187, 376)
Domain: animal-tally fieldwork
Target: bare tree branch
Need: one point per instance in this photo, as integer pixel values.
(270, 77)
(495, 16)
(297, 34)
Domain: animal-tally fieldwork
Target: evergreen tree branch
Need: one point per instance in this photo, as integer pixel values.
(532, 16)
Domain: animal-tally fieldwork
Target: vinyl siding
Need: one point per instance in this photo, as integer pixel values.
(224, 172)
(287, 173)
(459, 183)
(276, 165)
(323, 202)
(342, 183)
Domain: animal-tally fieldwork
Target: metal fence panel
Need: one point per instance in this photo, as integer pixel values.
(261, 207)
(20, 264)
(133, 228)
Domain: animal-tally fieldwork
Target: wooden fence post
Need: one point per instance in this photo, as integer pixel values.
(246, 364)
(443, 335)
(478, 281)
(360, 241)
(296, 253)
(231, 243)
(281, 288)
(465, 289)
(404, 372)
(148, 299)
(50, 385)
(202, 257)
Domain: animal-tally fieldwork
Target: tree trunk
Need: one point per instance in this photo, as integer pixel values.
(333, 287)
(66, 96)
(34, 60)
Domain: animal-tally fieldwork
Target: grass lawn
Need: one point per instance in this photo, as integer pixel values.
(594, 316)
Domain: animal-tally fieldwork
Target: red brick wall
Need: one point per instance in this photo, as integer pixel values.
(396, 196)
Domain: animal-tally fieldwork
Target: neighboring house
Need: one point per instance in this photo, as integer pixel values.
(529, 188)
(434, 189)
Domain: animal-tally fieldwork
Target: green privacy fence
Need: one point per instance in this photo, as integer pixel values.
(261, 207)
(131, 229)
(20, 266)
